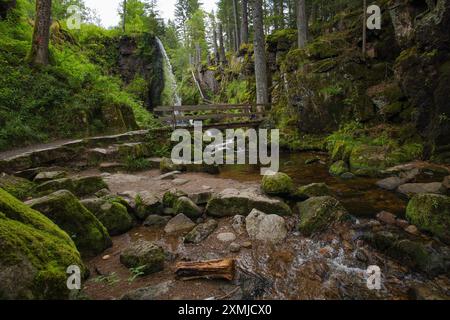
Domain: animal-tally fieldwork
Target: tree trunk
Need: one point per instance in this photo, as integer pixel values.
(5, 6)
(216, 48)
(124, 22)
(41, 34)
(364, 35)
(281, 14)
(302, 24)
(214, 269)
(222, 57)
(262, 96)
(237, 37)
(244, 25)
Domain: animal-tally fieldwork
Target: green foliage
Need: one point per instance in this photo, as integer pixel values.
(136, 164)
(110, 279)
(136, 273)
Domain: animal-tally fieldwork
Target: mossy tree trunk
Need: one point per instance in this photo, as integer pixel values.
(244, 20)
(262, 96)
(302, 24)
(41, 36)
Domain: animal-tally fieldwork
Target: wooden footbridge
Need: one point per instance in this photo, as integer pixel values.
(214, 115)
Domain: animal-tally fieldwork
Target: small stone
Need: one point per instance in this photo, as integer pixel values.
(106, 257)
(390, 183)
(180, 182)
(412, 230)
(247, 245)
(312, 160)
(238, 224)
(386, 217)
(226, 237)
(402, 223)
(168, 176)
(156, 221)
(201, 232)
(206, 187)
(179, 224)
(347, 176)
(234, 247)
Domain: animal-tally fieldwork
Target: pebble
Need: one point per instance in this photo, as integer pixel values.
(386, 217)
(402, 223)
(180, 182)
(226, 237)
(246, 245)
(106, 257)
(235, 247)
(412, 230)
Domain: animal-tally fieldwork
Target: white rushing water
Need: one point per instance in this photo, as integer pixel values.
(170, 93)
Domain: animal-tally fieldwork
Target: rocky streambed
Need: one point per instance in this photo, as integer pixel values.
(303, 234)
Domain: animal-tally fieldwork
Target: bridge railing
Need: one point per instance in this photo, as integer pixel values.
(218, 114)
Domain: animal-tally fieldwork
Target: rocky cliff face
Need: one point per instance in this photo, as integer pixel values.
(402, 84)
(141, 57)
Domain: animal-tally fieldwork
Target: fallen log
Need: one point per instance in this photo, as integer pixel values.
(212, 269)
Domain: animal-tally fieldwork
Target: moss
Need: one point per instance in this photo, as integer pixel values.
(187, 207)
(18, 187)
(277, 184)
(318, 213)
(35, 251)
(166, 165)
(145, 255)
(83, 186)
(171, 196)
(431, 212)
(338, 168)
(63, 208)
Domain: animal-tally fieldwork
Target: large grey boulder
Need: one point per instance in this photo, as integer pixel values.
(231, 202)
(266, 227)
(147, 204)
(411, 189)
(179, 224)
(144, 254)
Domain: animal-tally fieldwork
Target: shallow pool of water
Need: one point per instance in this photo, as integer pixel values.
(360, 196)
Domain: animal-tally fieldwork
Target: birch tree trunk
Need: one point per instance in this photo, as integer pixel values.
(41, 35)
(262, 96)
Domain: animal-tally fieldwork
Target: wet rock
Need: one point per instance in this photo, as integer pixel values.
(103, 193)
(277, 184)
(411, 189)
(390, 183)
(200, 198)
(231, 202)
(446, 184)
(238, 224)
(247, 245)
(264, 227)
(179, 224)
(368, 160)
(318, 213)
(171, 196)
(35, 253)
(113, 215)
(253, 285)
(361, 255)
(411, 229)
(147, 204)
(149, 293)
(188, 207)
(312, 160)
(338, 168)
(169, 176)
(347, 176)
(144, 253)
(431, 212)
(51, 175)
(386, 217)
(234, 247)
(169, 212)
(156, 221)
(201, 232)
(424, 292)
(313, 190)
(402, 223)
(64, 209)
(226, 237)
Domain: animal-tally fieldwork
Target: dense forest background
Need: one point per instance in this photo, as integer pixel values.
(329, 82)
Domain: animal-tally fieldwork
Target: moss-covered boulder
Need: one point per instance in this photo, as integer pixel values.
(34, 253)
(171, 196)
(277, 184)
(16, 186)
(112, 214)
(147, 203)
(188, 207)
(232, 202)
(318, 213)
(312, 190)
(338, 168)
(431, 212)
(81, 186)
(144, 255)
(64, 209)
(166, 165)
(340, 150)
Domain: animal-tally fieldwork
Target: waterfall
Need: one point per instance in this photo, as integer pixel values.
(170, 92)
